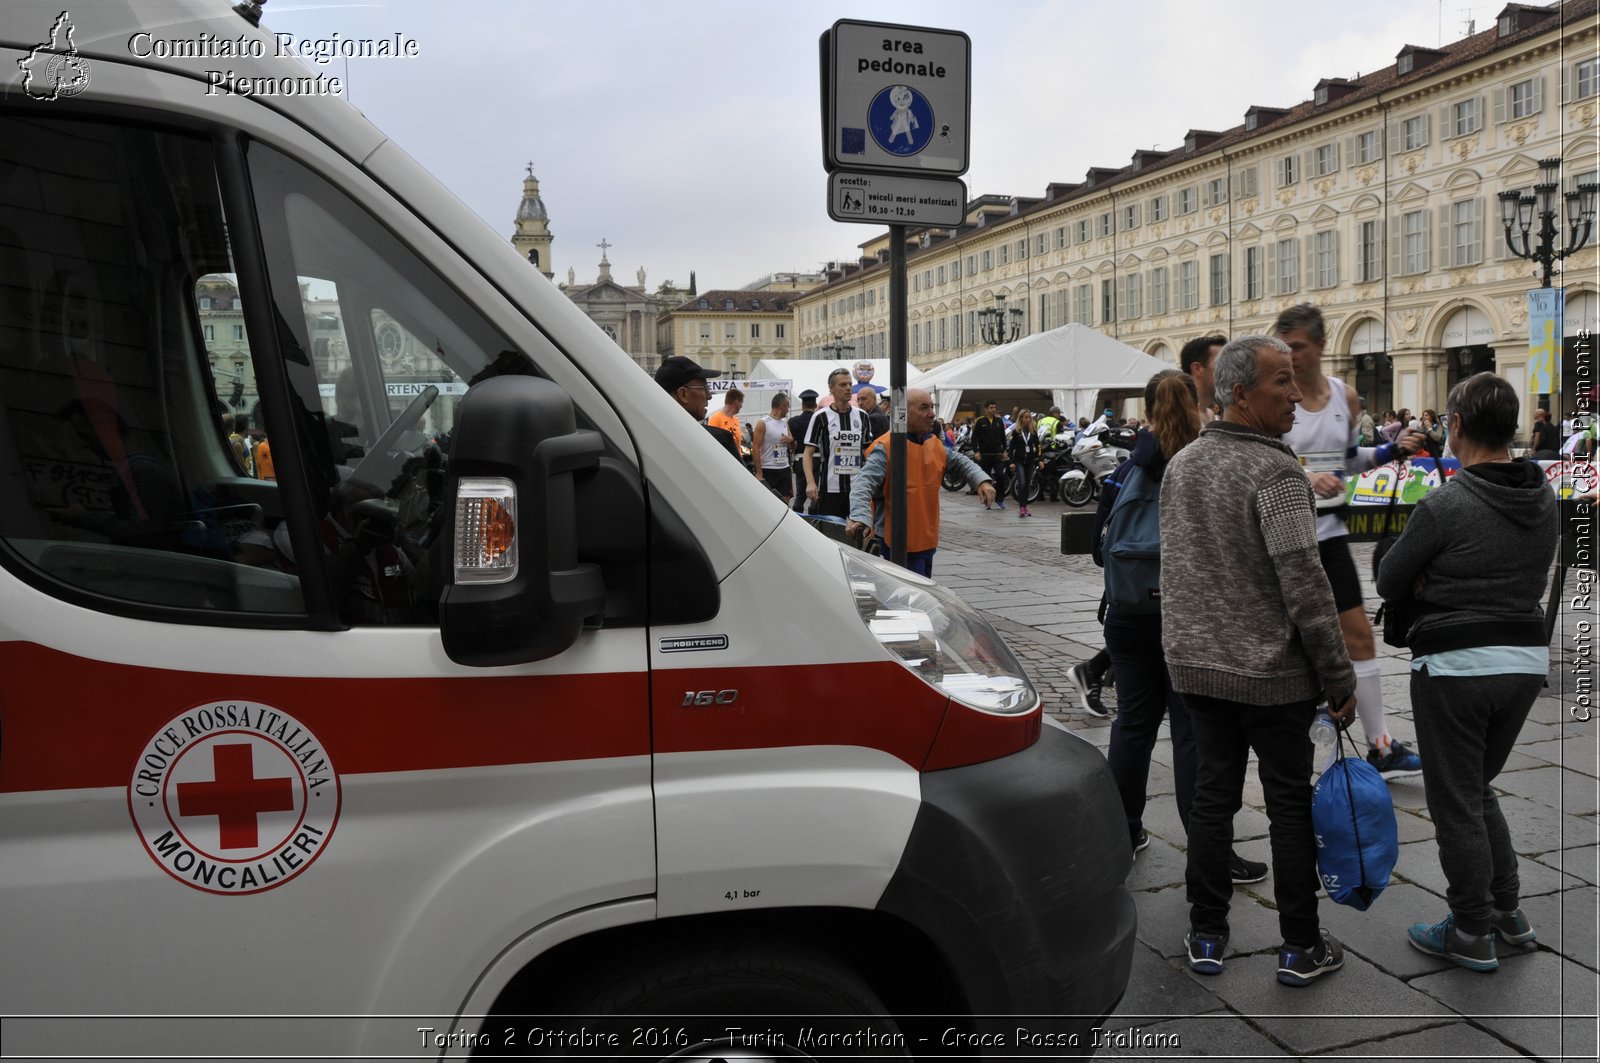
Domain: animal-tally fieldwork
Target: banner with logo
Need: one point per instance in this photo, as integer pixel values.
(1421, 475)
(722, 384)
(1546, 308)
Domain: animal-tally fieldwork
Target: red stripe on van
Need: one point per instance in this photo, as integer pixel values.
(68, 722)
(876, 704)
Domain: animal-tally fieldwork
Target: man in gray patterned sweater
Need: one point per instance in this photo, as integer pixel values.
(1253, 643)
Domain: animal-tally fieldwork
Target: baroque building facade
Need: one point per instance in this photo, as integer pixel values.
(1375, 199)
(730, 331)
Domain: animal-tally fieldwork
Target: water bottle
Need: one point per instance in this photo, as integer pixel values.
(1324, 742)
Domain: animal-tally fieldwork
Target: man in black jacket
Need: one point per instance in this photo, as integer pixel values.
(685, 380)
(989, 440)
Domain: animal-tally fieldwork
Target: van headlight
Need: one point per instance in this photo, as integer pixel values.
(938, 636)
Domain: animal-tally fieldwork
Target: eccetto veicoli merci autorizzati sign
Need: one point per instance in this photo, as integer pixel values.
(319, 51)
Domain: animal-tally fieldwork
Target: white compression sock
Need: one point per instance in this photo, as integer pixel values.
(1369, 702)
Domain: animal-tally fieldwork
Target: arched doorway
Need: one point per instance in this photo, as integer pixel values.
(1467, 342)
(1374, 369)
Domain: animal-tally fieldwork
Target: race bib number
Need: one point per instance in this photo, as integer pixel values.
(1325, 461)
(847, 453)
(780, 456)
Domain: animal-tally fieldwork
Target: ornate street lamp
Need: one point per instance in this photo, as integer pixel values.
(1517, 212)
(839, 348)
(997, 324)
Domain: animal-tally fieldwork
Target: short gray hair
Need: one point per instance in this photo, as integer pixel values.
(1236, 364)
(1488, 408)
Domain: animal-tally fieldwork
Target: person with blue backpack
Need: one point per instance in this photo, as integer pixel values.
(1127, 544)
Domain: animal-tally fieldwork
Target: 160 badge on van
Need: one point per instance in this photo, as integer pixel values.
(234, 797)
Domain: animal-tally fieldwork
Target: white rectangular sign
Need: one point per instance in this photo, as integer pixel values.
(899, 99)
(729, 383)
(896, 199)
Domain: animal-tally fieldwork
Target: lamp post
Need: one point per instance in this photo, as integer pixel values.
(839, 348)
(1517, 212)
(997, 324)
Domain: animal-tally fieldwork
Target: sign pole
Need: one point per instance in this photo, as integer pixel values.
(897, 391)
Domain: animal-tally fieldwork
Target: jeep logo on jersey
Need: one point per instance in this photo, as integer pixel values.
(234, 797)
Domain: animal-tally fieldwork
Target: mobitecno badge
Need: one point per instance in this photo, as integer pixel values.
(317, 50)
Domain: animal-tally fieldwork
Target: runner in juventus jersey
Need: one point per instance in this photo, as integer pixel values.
(835, 444)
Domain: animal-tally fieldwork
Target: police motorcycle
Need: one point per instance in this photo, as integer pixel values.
(1056, 461)
(1098, 453)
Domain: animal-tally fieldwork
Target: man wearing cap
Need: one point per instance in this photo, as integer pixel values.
(685, 380)
(799, 424)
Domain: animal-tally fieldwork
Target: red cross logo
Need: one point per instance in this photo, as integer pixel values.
(236, 797)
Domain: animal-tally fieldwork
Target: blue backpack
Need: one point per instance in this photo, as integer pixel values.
(1357, 843)
(1131, 545)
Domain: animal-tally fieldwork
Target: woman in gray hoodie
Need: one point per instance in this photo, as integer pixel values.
(1475, 556)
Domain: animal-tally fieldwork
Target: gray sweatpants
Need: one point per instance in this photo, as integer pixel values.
(1466, 728)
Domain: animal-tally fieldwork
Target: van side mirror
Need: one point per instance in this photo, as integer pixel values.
(517, 592)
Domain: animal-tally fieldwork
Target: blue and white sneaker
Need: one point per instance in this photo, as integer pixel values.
(1301, 967)
(1444, 940)
(1205, 951)
(1401, 762)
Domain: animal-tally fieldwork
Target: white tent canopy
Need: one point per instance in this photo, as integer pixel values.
(812, 374)
(1074, 363)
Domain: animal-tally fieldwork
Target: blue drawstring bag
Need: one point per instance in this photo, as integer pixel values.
(1357, 842)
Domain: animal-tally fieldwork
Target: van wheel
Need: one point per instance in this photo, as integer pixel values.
(768, 992)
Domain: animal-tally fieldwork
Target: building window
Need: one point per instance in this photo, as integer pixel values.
(955, 269)
(1158, 290)
(1414, 242)
(1369, 147)
(1254, 284)
(916, 282)
(972, 263)
(1325, 160)
(1288, 170)
(1525, 98)
(1130, 216)
(872, 296)
(1041, 243)
(1108, 301)
(1325, 259)
(943, 336)
(927, 278)
(755, 330)
(1158, 208)
(988, 259)
(1106, 224)
(1216, 191)
(941, 271)
(1005, 254)
(1466, 233)
(238, 332)
(210, 334)
(955, 328)
(1061, 237)
(205, 302)
(1245, 183)
(1466, 116)
(779, 331)
(927, 336)
(728, 331)
(1218, 280)
(1132, 296)
(705, 332)
(1187, 200)
(1288, 266)
(916, 340)
(1414, 133)
(1022, 249)
(1369, 250)
(1188, 285)
(1083, 231)
(1083, 304)
(1586, 79)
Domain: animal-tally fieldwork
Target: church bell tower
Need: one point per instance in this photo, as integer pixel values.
(532, 238)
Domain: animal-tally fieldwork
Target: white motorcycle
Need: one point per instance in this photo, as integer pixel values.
(1097, 455)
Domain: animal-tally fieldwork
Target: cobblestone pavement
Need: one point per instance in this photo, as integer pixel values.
(1389, 1001)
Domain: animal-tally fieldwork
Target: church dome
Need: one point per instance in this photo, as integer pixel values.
(532, 208)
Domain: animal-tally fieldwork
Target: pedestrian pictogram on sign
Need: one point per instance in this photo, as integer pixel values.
(901, 120)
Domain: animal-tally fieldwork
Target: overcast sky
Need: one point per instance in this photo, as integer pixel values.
(688, 135)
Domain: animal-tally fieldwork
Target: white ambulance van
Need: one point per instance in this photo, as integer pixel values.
(374, 670)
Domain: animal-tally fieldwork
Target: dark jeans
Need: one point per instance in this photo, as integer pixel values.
(1224, 734)
(995, 466)
(1468, 726)
(1021, 477)
(921, 561)
(1144, 696)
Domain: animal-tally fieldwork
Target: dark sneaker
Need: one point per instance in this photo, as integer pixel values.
(1512, 927)
(1443, 939)
(1301, 967)
(1205, 951)
(1141, 841)
(999, 505)
(1401, 762)
(1088, 691)
(1243, 871)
